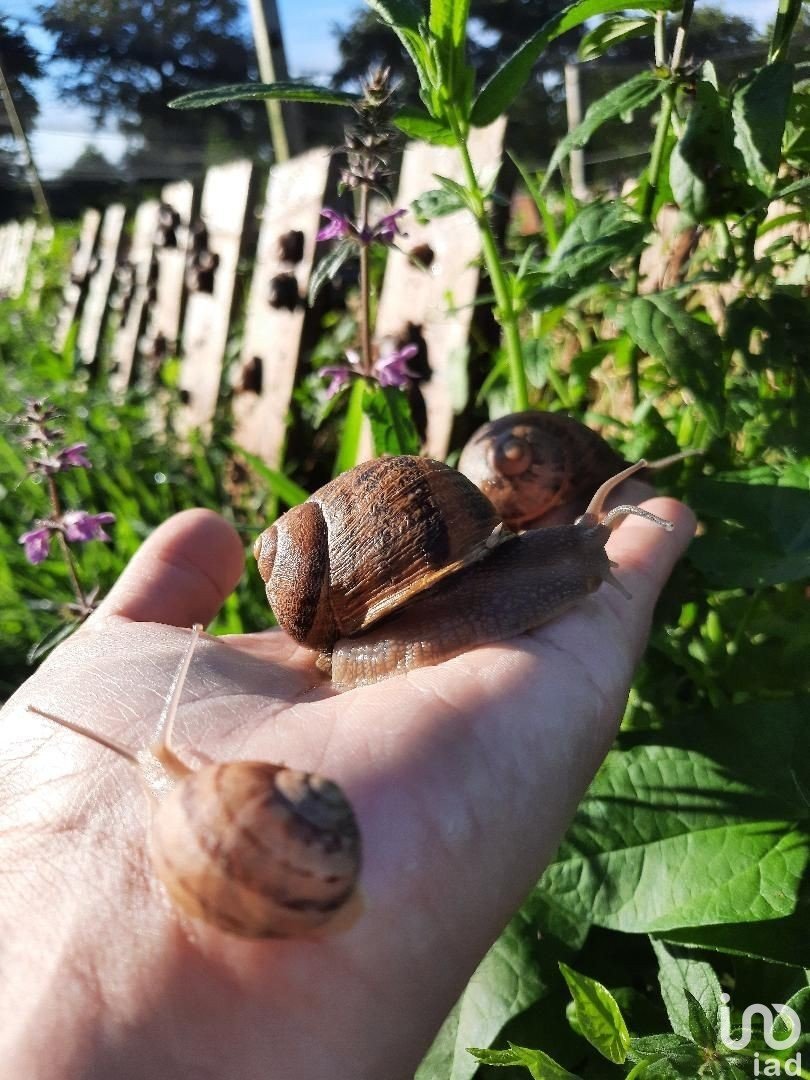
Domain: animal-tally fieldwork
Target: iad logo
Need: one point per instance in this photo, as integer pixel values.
(788, 1016)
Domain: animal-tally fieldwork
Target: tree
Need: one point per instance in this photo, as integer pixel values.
(126, 60)
(21, 66)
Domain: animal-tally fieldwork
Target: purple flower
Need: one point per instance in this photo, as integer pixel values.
(337, 228)
(338, 375)
(37, 543)
(79, 525)
(392, 369)
(73, 457)
(387, 230)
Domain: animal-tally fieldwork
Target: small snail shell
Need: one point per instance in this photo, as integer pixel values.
(377, 580)
(368, 542)
(529, 463)
(254, 849)
(533, 464)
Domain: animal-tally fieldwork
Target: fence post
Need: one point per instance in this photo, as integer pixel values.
(211, 276)
(94, 314)
(133, 294)
(277, 303)
(573, 111)
(81, 269)
(437, 300)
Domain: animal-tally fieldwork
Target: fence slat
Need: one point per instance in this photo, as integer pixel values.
(78, 281)
(205, 328)
(25, 243)
(132, 315)
(9, 255)
(438, 300)
(98, 290)
(265, 381)
(164, 315)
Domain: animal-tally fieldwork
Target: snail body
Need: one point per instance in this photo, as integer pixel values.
(532, 465)
(251, 848)
(503, 585)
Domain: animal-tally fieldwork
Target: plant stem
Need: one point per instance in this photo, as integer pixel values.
(365, 286)
(56, 510)
(505, 314)
(786, 16)
(638, 1070)
(660, 39)
(654, 171)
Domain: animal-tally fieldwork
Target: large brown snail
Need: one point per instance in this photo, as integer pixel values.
(541, 468)
(402, 562)
(254, 849)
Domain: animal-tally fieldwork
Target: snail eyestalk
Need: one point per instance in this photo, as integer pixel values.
(619, 513)
(161, 747)
(594, 510)
(80, 729)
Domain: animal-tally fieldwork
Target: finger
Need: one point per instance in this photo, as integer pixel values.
(646, 555)
(181, 575)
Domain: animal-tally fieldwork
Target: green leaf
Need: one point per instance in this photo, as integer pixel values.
(700, 1027)
(438, 202)
(780, 941)
(501, 89)
(418, 124)
(505, 984)
(668, 1045)
(759, 110)
(700, 831)
(600, 235)
(290, 493)
(679, 973)
(766, 540)
(610, 32)
(625, 98)
(352, 431)
(329, 266)
(598, 1015)
(703, 161)
(453, 188)
(279, 91)
(540, 1065)
(690, 350)
(448, 18)
(392, 426)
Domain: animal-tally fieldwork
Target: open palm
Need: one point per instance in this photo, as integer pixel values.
(463, 778)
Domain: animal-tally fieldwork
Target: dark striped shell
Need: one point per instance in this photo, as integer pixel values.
(256, 849)
(370, 541)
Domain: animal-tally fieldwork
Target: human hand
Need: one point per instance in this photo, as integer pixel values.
(463, 778)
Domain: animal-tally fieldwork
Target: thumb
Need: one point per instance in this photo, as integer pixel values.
(181, 574)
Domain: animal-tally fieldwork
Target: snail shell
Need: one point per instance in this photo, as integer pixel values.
(369, 542)
(256, 849)
(530, 463)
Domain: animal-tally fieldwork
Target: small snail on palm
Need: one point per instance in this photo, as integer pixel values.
(254, 849)
(532, 465)
(402, 562)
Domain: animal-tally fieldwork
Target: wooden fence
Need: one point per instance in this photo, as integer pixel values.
(165, 284)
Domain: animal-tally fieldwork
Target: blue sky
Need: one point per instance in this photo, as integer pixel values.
(63, 132)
